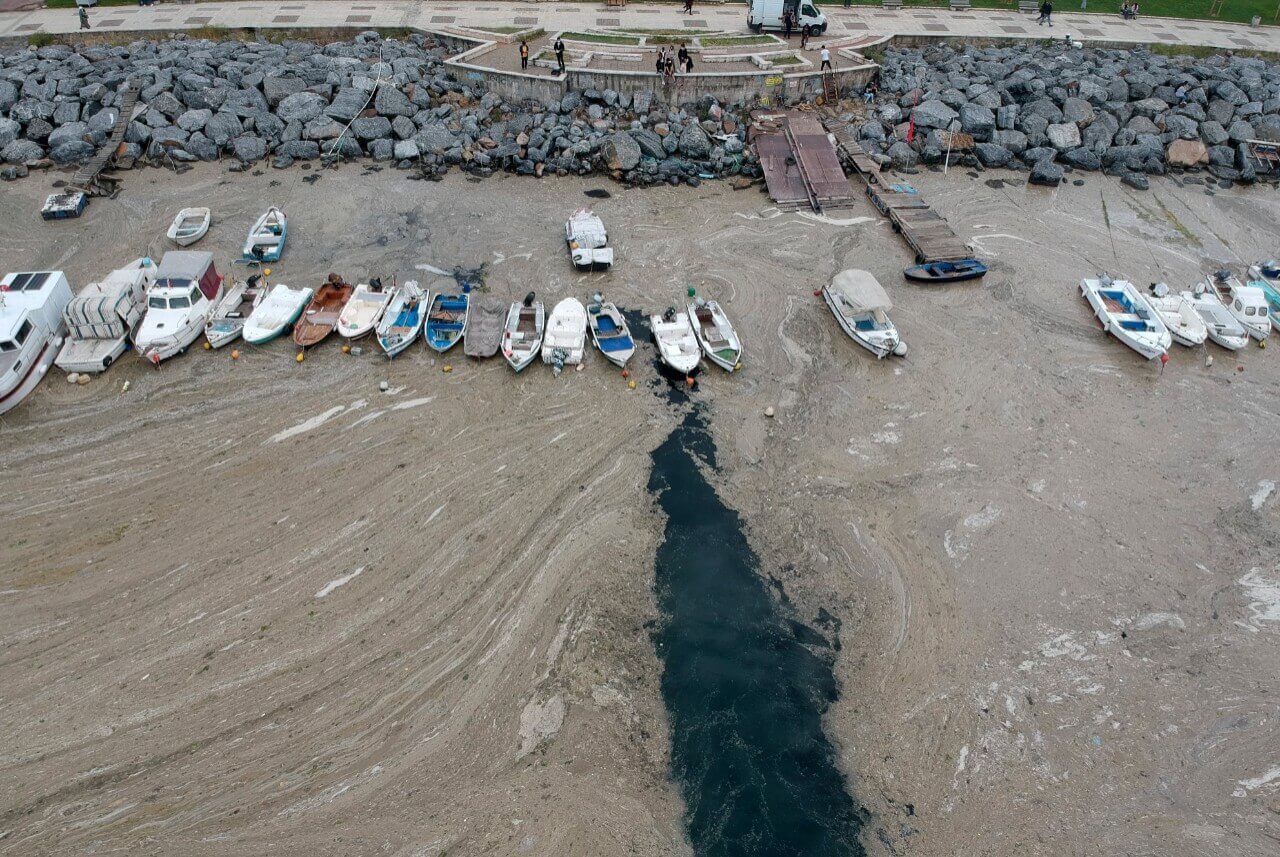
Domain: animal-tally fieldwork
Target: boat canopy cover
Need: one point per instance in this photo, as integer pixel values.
(192, 265)
(861, 291)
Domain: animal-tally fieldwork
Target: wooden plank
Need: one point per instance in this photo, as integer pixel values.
(781, 175)
(819, 164)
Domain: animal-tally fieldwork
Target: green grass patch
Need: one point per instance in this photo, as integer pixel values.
(503, 31)
(601, 38)
(789, 59)
(731, 41)
(640, 31)
(1239, 11)
(71, 4)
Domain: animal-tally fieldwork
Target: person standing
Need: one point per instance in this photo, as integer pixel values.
(84, 18)
(688, 7)
(688, 63)
(559, 48)
(669, 69)
(804, 36)
(826, 59)
(786, 23)
(524, 55)
(660, 63)
(682, 55)
(1046, 14)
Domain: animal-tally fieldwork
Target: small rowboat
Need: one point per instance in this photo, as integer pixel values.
(447, 320)
(229, 316)
(1126, 315)
(1179, 316)
(677, 345)
(609, 331)
(522, 337)
(275, 314)
(402, 322)
(1220, 325)
(861, 308)
(949, 271)
(189, 226)
(364, 310)
(715, 334)
(266, 239)
(321, 315)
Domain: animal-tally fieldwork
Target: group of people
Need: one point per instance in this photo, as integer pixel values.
(667, 64)
(1129, 11)
(1046, 14)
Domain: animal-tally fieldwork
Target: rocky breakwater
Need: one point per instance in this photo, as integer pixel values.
(1129, 113)
(390, 100)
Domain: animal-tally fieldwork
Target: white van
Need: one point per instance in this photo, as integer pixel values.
(767, 15)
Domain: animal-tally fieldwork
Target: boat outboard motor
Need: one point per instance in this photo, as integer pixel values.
(558, 356)
(528, 299)
(669, 315)
(375, 283)
(1160, 290)
(253, 281)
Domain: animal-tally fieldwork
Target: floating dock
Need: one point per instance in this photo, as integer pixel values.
(800, 162)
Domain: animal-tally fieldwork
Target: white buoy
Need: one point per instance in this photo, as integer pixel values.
(384, 386)
(1208, 360)
(72, 377)
(768, 412)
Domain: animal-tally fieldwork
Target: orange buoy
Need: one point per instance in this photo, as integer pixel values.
(346, 349)
(626, 373)
(688, 380)
(207, 346)
(235, 354)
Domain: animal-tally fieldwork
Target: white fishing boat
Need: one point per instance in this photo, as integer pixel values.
(275, 314)
(363, 310)
(715, 334)
(522, 334)
(1220, 325)
(186, 289)
(31, 331)
(861, 308)
(677, 345)
(266, 238)
(402, 321)
(588, 240)
(1247, 303)
(1179, 316)
(1126, 315)
(609, 331)
(190, 226)
(565, 337)
(103, 316)
(229, 316)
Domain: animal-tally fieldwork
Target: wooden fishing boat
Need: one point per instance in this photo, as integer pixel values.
(364, 310)
(227, 321)
(189, 226)
(447, 320)
(522, 335)
(677, 345)
(715, 334)
(402, 322)
(1125, 314)
(948, 271)
(320, 317)
(484, 326)
(609, 331)
(266, 239)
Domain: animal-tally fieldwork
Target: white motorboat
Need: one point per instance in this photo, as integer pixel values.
(522, 335)
(1179, 316)
(266, 238)
(1220, 325)
(861, 308)
(402, 321)
(276, 313)
(1247, 303)
(31, 330)
(103, 316)
(186, 289)
(565, 336)
(715, 334)
(677, 345)
(1126, 315)
(363, 310)
(609, 331)
(588, 240)
(190, 226)
(229, 316)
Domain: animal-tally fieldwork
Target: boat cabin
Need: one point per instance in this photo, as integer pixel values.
(183, 279)
(31, 305)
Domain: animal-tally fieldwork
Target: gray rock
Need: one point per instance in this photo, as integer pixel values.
(8, 95)
(902, 155)
(302, 150)
(371, 127)
(694, 142)
(194, 120)
(1230, 93)
(9, 131)
(1136, 180)
(406, 150)
(249, 148)
(322, 128)
(1046, 172)
(21, 152)
(1150, 107)
(621, 152)
(71, 131)
(347, 104)
(403, 128)
(1063, 136)
(1014, 141)
(390, 101)
(382, 150)
(1007, 117)
(66, 111)
(168, 105)
(301, 107)
(934, 114)
(1079, 111)
(1082, 159)
(222, 128)
(71, 151)
(277, 89)
(977, 120)
(992, 155)
(650, 144)
(201, 147)
(1221, 156)
(1240, 131)
(245, 103)
(1213, 133)
(436, 138)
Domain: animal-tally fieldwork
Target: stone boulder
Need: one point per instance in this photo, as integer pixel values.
(371, 128)
(301, 107)
(21, 152)
(277, 89)
(1064, 136)
(934, 114)
(621, 152)
(1046, 172)
(694, 142)
(1186, 153)
(390, 101)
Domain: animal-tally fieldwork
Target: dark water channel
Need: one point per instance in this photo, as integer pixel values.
(745, 684)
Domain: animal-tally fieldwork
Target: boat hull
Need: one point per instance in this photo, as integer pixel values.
(36, 371)
(1150, 342)
(90, 356)
(932, 272)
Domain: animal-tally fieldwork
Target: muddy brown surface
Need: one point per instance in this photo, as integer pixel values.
(260, 606)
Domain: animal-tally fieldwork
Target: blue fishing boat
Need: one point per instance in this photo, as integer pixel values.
(447, 321)
(1266, 276)
(609, 331)
(949, 271)
(266, 239)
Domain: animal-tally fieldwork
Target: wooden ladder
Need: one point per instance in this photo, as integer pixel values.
(830, 92)
(85, 178)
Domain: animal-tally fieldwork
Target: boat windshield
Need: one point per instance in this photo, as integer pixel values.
(173, 283)
(179, 302)
(157, 302)
(7, 345)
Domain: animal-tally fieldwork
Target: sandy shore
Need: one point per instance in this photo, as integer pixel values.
(262, 606)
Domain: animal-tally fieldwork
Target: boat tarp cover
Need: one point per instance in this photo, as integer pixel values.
(861, 291)
(588, 230)
(194, 265)
(100, 311)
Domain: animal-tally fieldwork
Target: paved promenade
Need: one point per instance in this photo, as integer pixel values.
(442, 14)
